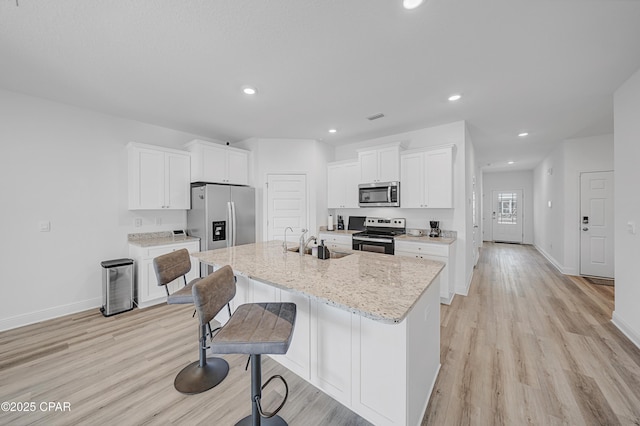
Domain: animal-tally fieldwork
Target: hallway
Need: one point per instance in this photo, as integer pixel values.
(529, 345)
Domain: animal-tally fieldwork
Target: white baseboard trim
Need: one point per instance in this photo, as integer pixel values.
(626, 329)
(47, 314)
(550, 258)
(464, 291)
(447, 301)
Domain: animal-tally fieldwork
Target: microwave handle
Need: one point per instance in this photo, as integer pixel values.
(389, 193)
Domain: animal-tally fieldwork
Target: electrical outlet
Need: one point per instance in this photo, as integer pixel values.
(137, 222)
(44, 226)
(158, 221)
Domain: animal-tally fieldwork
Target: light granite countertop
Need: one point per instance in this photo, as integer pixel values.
(337, 231)
(377, 286)
(425, 239)
(152, 239)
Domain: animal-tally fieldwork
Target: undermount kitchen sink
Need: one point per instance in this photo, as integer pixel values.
(333, 254)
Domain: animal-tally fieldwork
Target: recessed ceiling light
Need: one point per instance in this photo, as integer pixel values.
(523, 134)
(332, 130)
(454, 97)
(248, 90)
(511, 162)
(411, 4)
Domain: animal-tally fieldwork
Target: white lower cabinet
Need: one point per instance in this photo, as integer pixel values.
(331, 343)
(384, 372)
(297, 357)
(433, 251)
(148, 292)
(338, 242)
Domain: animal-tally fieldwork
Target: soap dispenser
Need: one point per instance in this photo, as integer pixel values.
(323, 251)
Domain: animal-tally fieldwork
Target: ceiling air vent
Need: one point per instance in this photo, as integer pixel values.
(375, 116)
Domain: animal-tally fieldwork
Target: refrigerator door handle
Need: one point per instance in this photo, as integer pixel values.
(229, 225)
(233, 224)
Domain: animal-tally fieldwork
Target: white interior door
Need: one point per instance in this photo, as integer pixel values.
(596, 235)
(507, 215)
(286, 206)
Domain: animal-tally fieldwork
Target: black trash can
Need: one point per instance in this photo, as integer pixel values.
(117, 286)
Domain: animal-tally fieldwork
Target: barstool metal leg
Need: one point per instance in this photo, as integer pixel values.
(255, 419)
(203, 374)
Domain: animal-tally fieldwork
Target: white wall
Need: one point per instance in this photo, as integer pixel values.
(67, 166)
(557, 179)
(548, 186)
(627, 207)
(495, 181)
(290, 156)
(456, 219)
(594, 154)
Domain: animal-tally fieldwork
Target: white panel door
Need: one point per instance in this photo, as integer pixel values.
(596, 220)
(507, 216)
(286, 206)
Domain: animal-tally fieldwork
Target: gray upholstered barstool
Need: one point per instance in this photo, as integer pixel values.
(209, 295)
(254, 329)
(171, 266)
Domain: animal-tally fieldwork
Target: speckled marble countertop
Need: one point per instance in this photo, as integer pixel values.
(376, 286)
(425, 239)
(324, 230)
(151, 239)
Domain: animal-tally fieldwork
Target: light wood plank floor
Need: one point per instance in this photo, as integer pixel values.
(527, 346)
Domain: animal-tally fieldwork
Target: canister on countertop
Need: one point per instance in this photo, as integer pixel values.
(330, 223)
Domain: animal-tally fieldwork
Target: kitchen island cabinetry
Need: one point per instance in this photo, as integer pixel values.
(342, 186)
(367, 331)
(440, 251)
(158, 178)
(380, 165)
(148, 291)
(215, 163)
(427, 178)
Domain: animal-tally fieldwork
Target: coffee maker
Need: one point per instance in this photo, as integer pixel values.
(435, 228)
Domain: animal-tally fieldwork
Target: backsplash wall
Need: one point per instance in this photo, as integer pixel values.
(416, 218)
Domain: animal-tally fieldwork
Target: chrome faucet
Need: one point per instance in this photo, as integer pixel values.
(284, 243)
(306, 243)
(301, 245)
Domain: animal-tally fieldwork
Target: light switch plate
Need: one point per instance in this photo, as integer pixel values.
(44, 226)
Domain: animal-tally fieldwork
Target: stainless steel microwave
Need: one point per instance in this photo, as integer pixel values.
(379, 194)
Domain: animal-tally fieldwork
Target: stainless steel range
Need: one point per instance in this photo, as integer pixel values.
(379, 234)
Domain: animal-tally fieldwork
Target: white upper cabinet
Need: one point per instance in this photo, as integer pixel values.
(342, 189)
(380, 165)
(158, 178)
(427, 178)
(215, 163)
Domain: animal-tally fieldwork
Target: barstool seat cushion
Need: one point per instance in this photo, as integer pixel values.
(257, 328)
(184, 296)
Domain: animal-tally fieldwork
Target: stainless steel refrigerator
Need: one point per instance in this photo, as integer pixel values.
(221, 216)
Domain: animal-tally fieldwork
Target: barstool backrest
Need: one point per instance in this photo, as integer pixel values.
(211, 293)
(172, 265)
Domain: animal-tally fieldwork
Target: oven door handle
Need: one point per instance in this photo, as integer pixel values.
(373, 240)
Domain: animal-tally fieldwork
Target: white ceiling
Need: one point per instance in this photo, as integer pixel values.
(547, 67)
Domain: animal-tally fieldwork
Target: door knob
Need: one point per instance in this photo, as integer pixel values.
(585, 229)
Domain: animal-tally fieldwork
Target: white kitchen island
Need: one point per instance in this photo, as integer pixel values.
(368, 326)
